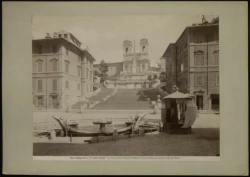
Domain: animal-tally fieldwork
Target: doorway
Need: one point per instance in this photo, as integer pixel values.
(199, 102)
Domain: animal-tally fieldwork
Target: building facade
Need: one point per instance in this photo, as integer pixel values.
(163, 64)
(62, 72)
(170, 67)
(197, 63)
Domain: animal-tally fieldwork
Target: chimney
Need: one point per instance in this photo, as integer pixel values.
(47, 35)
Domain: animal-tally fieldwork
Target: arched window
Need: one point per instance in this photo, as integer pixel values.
(79, 71)
(126, 67)
(143, 66)
(67, 66)
(199, 58)
(216, 57)
(54, 64)
(39, 65)
(143, 48)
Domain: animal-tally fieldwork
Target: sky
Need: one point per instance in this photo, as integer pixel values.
(104, 35)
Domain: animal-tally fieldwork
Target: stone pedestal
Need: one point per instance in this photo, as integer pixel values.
(52, 135)
(141, 132)
(115, 135)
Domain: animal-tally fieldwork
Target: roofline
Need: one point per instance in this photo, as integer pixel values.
(88, 54)
(196, 26)
(84, 51)
(71, 35)
(186, 28)
(167, 49)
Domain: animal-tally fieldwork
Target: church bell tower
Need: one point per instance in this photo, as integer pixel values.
(144, 45)
(127, 47)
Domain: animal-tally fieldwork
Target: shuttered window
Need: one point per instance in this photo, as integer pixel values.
(199, 59)
(216, 56)
(40, 85)
(40, 100)
(40, 66)
(198, 80)
(54, 85)
(217, 79)
(66, 66)
(79, 71)
(54, 65)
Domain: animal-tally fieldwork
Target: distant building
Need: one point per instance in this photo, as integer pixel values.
(114, 69)
(162, 64)
(134, 70)
(192, 63)
(62, 72)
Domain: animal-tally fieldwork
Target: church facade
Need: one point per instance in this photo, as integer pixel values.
(135, 68)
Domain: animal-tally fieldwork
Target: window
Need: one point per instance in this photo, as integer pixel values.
(40, 100)
(54, 48)
(216, 57)
(40, 66)
(54, 65)
(67, 51)
(54, 85)
(143, 48)
(39, 49)
(78, 86)
(198, 80)
(60, 35)
(79, 71)
(199, 58)
(65, 35)
(126, 50)
(40, 85)
(217, 79)
(182, 67)
(67, 84)
(67, 66)
(87, 73)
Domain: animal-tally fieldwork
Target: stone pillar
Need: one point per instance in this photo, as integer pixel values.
(209, 104)
(159, 102)
(115, 135)
(141, 132)
(52, 135)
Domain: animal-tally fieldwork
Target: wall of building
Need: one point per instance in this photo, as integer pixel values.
(78, 84)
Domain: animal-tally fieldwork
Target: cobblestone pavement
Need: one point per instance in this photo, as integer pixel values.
(202, 142)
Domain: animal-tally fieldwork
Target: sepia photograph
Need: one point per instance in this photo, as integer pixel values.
(128, 86)
(125, 88)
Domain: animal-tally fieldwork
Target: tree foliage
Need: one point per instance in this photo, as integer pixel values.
(103, 69)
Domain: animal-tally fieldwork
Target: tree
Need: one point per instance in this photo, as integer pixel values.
(97, 73)
(103, 69)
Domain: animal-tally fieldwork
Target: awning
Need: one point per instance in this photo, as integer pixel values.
(215, 96)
